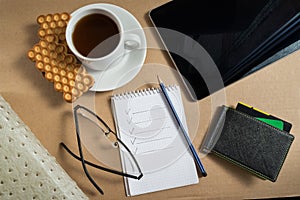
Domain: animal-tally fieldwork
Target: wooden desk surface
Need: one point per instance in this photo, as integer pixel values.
(274, 89)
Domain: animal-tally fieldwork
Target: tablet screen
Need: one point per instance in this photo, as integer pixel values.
(237, 34)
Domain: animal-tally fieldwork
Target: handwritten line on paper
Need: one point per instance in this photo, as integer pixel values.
(149, 110)
(150, 131)
(148, 120)
(153, 140)
(155, 150)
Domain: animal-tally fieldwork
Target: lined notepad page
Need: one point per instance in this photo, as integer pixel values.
(145, 123)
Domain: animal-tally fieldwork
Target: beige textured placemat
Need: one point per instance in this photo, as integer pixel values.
(27, 170)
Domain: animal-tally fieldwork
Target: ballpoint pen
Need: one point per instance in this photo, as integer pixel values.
(196, 157)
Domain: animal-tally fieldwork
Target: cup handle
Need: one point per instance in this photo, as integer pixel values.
(132, 41)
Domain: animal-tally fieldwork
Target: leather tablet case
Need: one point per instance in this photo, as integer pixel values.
(252, 144)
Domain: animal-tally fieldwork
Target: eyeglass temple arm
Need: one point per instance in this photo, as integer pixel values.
(81, 156)
(99, 167)
(95, 115)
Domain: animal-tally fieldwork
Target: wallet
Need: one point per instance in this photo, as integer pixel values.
(249, 143)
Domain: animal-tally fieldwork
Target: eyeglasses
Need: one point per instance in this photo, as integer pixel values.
(101, 139)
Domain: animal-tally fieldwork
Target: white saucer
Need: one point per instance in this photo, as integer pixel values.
(131, 63)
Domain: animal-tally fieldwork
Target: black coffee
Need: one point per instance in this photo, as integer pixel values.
(95, 35)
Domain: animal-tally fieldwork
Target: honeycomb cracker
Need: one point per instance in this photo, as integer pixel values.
(40, 19)
(52, 57)
(68, 97)
(58, 86)
(31, 55)
(65, 16)
(56, 17)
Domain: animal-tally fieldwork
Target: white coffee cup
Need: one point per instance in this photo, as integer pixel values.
(126, 41)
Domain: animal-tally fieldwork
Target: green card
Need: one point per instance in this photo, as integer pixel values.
(273, 122)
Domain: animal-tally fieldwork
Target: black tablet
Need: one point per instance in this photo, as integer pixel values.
(237, 35)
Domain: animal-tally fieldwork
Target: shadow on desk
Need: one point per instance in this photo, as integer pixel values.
(240, 174)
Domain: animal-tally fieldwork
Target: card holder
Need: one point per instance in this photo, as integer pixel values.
(249, 143)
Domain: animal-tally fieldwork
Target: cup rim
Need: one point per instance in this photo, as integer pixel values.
(70, 29)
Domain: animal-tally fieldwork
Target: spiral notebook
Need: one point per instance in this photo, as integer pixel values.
(146, 125)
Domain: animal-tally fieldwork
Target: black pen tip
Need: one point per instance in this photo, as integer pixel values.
(204, 174)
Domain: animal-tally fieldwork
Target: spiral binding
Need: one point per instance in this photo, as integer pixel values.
(142, 92)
